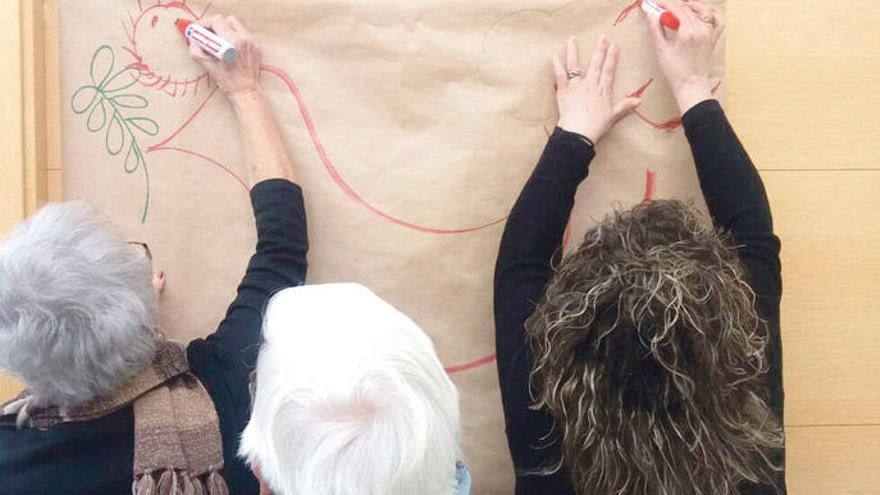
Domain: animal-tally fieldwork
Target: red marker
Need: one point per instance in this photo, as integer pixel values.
(207, 40)
(667, 18)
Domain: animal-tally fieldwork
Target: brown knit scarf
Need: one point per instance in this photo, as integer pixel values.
(177, 444)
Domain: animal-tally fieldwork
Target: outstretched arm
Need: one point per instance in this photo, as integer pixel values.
(730, 183)
(282, 241)
(532, 236)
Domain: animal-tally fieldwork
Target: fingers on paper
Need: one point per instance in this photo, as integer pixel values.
(609, 69)
(559, 72)
(571, 54)
(594, 72)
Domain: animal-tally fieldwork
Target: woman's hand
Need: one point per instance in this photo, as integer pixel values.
(584, 97)
(241, 77)
(687, 56)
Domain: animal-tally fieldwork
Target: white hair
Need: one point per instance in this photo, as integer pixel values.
(350, 399)
(77, 306)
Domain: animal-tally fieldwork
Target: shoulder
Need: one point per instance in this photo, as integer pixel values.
(89, 457)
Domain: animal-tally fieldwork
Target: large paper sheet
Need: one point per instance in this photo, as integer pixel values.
(413, 126)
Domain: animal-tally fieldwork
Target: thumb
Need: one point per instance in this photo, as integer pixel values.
(626, 106)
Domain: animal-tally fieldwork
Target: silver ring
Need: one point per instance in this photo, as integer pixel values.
(573, 73)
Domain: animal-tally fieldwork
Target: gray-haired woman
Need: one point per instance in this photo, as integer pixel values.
(110, 406)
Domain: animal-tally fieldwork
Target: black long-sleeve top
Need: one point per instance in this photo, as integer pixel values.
(96, 457)
(737, 203)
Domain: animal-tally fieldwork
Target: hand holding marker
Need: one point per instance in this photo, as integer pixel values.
(207, 40)
(667, 18)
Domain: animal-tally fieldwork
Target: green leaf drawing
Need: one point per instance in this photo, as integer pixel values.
(103, 104)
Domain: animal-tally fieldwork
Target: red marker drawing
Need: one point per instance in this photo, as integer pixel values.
(667, 18)
(207, 40)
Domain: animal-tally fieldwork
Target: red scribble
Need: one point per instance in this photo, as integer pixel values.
(650, 183)
(471, 365)
(149, 75)
(625, 12)
(340, 181)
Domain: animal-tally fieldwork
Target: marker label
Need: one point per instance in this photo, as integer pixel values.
(207, 40)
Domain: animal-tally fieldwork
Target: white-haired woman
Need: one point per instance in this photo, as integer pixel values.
(351, 399)
(111, 407)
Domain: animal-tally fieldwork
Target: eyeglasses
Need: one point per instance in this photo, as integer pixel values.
(145, 247)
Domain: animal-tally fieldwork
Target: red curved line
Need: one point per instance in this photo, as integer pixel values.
(625, 12)
(185, 123)
(209, 159)
(148, 72)
(670, 124)
(337, 177)
(471, 365)
(650, 182)
(644, 87)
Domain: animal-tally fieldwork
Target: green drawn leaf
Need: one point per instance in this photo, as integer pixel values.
(134, 158)
(130, 101)
(114, 140)
(97, 118)
(102, 64)
(148, 126)
(83, 99)
(123, 79)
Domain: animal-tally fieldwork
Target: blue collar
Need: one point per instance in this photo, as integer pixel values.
(463, 477)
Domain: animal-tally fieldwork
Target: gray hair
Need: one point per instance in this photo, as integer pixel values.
(77, 306)
(651, 357)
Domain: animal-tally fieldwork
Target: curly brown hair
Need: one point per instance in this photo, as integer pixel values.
(649, 354)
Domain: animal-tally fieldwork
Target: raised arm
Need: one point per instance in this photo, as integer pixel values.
(533, 235)
(730, 183)
(282, 241)
(731, 186)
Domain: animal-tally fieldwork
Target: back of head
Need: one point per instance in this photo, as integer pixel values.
(77, 306)
(350, 399)
(650, 354)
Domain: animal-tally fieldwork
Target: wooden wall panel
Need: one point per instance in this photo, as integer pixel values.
(30, 133)
(831, 296)
(833, 460)
(801, 81)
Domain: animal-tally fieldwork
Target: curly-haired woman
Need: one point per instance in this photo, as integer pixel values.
(648, 361)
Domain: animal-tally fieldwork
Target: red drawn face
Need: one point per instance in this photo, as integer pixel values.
(159, 50)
